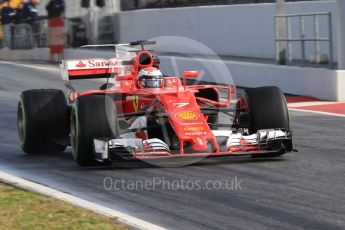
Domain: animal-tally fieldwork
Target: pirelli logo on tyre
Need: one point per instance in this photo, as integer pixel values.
(187, 116)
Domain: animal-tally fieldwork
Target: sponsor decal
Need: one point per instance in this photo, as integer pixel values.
(196, 134)
(193, 129)
(187, 115)
(94, 64)
(180, 105)
(191, 123)
(199, 141)
(105, 63)
(171, 81)
(81, 64)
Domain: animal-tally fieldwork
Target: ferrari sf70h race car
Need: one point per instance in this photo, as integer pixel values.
(140, 114)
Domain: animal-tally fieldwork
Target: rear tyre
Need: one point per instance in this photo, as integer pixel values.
(92, 117)
(42, 121)
(267, 110)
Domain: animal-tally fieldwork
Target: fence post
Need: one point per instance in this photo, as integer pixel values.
(301, 19)
(288, 20)
(317, 42)
(281, 29)
(341, 33)
(330, 36)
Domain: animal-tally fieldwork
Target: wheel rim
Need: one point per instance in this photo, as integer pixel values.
(21, 122)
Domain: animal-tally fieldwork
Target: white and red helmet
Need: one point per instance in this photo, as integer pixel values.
(150, 78)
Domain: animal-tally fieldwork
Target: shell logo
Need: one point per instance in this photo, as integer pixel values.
(187, 115)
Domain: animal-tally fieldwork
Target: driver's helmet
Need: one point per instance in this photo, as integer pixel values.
(150, 78)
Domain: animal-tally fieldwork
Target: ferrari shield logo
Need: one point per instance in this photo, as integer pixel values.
(136, 103)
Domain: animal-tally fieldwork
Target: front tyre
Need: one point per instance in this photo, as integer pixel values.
(42, 121)
(267, 109)
(92, 117)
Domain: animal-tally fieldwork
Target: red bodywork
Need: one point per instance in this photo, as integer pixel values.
(176, 100)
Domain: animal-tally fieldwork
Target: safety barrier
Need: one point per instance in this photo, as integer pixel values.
(302, 38)
(39, 33)
(36, 35)
(21, 36)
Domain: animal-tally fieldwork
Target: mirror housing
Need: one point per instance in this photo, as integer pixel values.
(191, 74)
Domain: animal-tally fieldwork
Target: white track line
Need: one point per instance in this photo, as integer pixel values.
(53, 69)
(313, 103)
(316, 112)
(37, 188)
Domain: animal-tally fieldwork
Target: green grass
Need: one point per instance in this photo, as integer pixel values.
(25, 210)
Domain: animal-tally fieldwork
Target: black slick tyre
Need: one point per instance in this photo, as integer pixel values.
(92, 117)
(42, 119)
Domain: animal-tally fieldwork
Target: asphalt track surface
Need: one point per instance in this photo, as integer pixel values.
(303, 190)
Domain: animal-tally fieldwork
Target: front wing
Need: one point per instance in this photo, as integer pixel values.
(231, 144)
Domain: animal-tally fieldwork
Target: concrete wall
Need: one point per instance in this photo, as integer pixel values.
(240, 30)
(315, 82)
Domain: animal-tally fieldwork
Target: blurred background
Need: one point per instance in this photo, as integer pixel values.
(255, 37)
(24, 23)
(250, 29)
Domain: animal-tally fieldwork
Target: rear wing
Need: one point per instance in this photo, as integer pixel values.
(90, 68)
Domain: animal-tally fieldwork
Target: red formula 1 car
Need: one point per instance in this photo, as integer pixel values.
(140, 114)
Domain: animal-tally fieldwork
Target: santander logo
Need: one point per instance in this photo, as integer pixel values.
(94, 64)
(81, 64)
